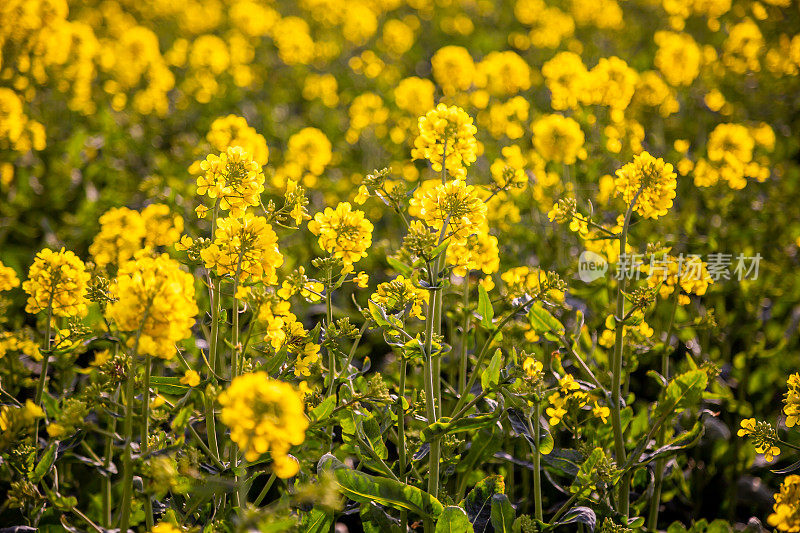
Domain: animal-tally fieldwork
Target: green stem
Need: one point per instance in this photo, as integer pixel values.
(211, 426)
(143, 446)
(430, 409)
(46, 362)
(401, 435)
(535, 430)
(328, 325)
(462, 359)
(265, 490)
(655, 501)
(109, 455)
(616, 368)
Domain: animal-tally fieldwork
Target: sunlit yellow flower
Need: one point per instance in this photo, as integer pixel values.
(246, 248)
(450, 129)
(57, 280)
(650, 181)
(343, 232)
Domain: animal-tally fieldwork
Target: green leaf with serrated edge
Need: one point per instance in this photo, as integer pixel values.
(364, 488)
(453, 520)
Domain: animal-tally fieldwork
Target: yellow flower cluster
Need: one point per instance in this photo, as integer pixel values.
(124, 232)
(343, 232)
(650, 181)
(559, 139)
(17, 342)
(308, 154)
(245, 248)
(165, 527)
(449, 131)
(479, 251)
(57, 280)
(640, 331)
(730, 156)
(265, 415)
(8, 278)
(763, 436)
(678, 57)
(454, 203)
(233, 178)
(399, 294)
(232, 130)
(155, 304)
(690, 273)
(791, 401)
(453, 69)
(414, 95)
(786, 510)
(503, 73)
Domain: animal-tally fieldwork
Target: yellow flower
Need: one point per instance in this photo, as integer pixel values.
(361, 280)
(558, 138)
(791, 401)
(343, 232)
(414, 95)
(155, 304)
(763, 436)
(233, 130)
(449, 128)
(532, 368)
(602, 412)
(165, 527)
(120, 237)
(8, 278)
(191, 378)
(58, 279)
(307, 357)
(162, 227)
(234, 178)
(651, 181)
(453, 69)
(454, 203)
(246, 247)
(362, 196)
(786, 510)
(400, 294)
(264, 415)
(678, 57)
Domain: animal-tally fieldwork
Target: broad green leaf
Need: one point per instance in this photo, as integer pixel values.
(478, 502)
(401, 267)
(485, 308)
(324, 409)
(453, 520)
(378, 314)
(490, 378)
(317, 521)
(683, 392)
(503, 514)
(45, 463)
(364, 488)
(542, 321)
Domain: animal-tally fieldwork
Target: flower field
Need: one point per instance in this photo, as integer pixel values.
(391, 266)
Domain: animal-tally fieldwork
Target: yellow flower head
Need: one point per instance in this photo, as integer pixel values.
(191, 378)
(162, 227)
(652, 180)
(246, 247)
(264, 415)
(454, 203)
(786, 510)
(399, 294)
(343, 232)
(558, 138)
(8, 278)
(58, 279)
(155, 303)
(234, 178)
(120, 237)
(450, 129)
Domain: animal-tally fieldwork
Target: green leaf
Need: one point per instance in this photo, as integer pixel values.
(683, 392)
(503, 514)
(542, 321)
(485, 308)
(364, 488)
(444, 426)
(372, 431)
(375, 520)
(317, 521)
(378, 314)
(401, 267)
(324, 409)
(490, 378)
(453, 520)
(478, 502)
(45, 463)
(169, 385)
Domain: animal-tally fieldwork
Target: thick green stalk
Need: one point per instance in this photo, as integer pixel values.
(329, 323)
(655, 500)
(143, 446)
(462, 359)
(46, 362)
(537, 457)
(401, 435)
(430, 409)
(211, 426)
(127, 466)
(108, 457)
(623, 499)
